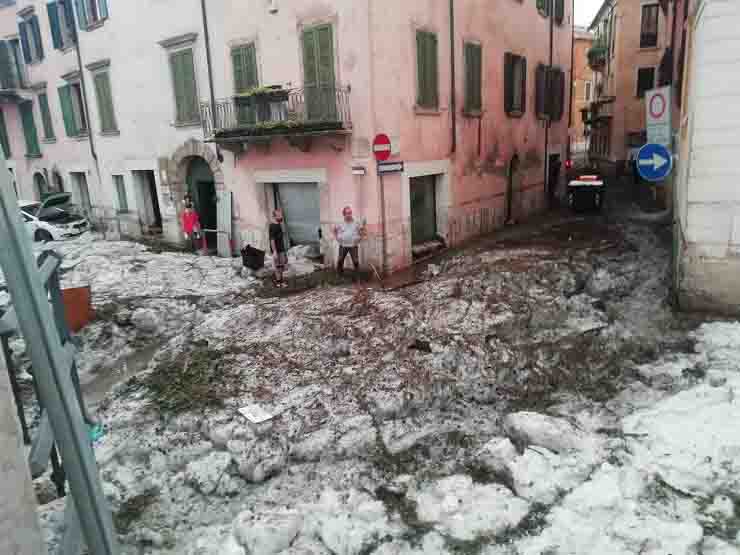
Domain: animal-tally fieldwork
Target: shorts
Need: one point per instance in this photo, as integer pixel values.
(281, 259)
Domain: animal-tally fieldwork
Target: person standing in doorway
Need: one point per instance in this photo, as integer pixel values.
(277, 247)
(349, 234)
(191, 223)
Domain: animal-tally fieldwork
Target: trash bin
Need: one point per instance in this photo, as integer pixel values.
(252, 258)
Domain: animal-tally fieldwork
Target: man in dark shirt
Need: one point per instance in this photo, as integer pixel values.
(277, 247)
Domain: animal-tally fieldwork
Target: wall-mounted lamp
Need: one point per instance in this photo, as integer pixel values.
(273, 6)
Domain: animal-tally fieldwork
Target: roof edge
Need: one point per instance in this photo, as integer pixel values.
(600, 13)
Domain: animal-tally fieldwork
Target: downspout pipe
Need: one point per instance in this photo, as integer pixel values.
(547, 121)
(453, 79)
(209, 65)
(90, 134)
(572, 69)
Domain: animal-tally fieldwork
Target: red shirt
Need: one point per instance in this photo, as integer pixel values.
(190, 221)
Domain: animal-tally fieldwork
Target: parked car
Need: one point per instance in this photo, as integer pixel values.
(586, 190)
(52, 219)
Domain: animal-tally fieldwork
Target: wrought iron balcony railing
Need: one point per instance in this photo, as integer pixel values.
(269, 112)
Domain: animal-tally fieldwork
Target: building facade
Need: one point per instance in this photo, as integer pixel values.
(631, 42)
(583, 88)
(707, 198)
(254, 104)
(463, 92)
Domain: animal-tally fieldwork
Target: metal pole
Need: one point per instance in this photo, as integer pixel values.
(52, 372)
(383, 230)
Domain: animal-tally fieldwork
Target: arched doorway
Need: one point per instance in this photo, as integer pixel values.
(40, 185)
(511, 187)
(201, 185)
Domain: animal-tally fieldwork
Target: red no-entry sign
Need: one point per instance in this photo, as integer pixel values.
(382, 147)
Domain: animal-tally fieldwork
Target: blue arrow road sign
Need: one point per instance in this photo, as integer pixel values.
(654, 162)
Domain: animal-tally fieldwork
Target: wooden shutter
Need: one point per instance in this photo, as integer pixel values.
(25, 44)
(421, 78)
(541, 92)
(473, 77)
(34, 22)
(46, 116)
(428, 79)
(559, 11)
(81, 14)
(244, 62)
(508, 82)
(183, 77)
(557, 94)
(7, 67)
(29, 129)
(523, 100)
(103, 8)
(544, 6)
(69, 16)
(432, 70)
(4, 140)
(56, 28)
(318, 69)
(65, 100)
(105, 102)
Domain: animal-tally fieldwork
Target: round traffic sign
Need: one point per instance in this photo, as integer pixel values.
(654, 162)
(382, 147)
(657, 106)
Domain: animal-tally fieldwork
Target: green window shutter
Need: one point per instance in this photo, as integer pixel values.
(121, 193)
(69, 16)
(524, 85)
(7, 67)
(46, 116)
(25, 43)
(105, 102)
(250, 64)
(325, 39)
(65, 100)
(103, 8)
(4, 140)
(508, 82)
(544, 6)
(29, 129)
(428, 79)
(36, 30)
(56, 28)
(473, 77)
(559, 11)
(81, 14)
(318, 73)
(244, 62)
(310, 63)
(186, 97)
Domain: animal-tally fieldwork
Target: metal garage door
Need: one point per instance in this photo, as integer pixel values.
(300, 204)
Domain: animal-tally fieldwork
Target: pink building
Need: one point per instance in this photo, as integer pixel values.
(471, 95)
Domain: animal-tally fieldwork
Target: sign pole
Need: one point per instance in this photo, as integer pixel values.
(383, 230)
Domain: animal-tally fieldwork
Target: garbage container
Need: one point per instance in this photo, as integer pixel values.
(252, 258)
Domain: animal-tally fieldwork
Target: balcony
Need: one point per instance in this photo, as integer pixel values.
(597, 57)
(601, 111)
(268, 112)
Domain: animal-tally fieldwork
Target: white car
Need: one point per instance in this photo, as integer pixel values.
(50, 221)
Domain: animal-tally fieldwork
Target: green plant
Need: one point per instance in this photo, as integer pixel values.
(261, 91)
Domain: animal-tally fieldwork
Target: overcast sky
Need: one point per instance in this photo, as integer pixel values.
(586, 10)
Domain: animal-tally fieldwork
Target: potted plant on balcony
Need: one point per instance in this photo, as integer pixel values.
(597, 56)
(261, 95)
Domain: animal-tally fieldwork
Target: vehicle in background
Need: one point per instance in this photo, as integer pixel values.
(52, 219)
(586, 191)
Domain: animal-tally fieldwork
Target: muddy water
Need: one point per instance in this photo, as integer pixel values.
(95, 390)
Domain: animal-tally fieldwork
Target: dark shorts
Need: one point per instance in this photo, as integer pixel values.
(281, 259)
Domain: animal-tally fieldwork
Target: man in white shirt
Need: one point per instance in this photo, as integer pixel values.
(348, 234)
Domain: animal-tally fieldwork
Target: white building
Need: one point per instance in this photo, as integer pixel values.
(101, 99)
(707, 192)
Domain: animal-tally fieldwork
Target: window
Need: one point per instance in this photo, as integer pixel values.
(73, 112)
(187, 110)
(8, 74)
(587, 92)
(6, 3)
(515, 84)
(426, 70)
(105, 102)
(121, 193)
(91, 13)
(645, 80)
(550, 92)
(244, 65)
(318, 73)
(30, 33)
(29, 129)
(61, 23)
(544, 7)
(559, 11)
(4, 140)
(473, 78)
(649, 27)
(46, 117)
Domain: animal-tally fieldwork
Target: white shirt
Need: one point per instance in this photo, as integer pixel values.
(348, 234)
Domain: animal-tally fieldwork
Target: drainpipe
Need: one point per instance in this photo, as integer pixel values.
(572, 72)
(90, 135)
(209, 64)
(547, 121)
(453, 103)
